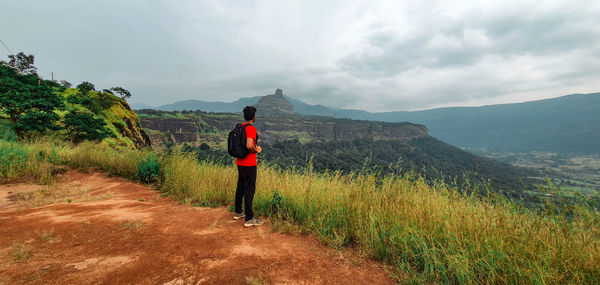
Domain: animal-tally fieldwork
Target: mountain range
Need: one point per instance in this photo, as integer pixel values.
(567, 124)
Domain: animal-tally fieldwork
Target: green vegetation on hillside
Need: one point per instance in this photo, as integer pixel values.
(427, 233)
(427, 156)
(31, 107)
(25, 100)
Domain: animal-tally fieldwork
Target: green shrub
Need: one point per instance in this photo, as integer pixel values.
(84, 126)
(149, 169)
(7, 132)
(13, 160)
(35, 162)
(105, 100)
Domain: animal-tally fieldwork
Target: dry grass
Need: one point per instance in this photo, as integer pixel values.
(255, 281)
(49, 237)
(53, 194)
(131, 225)
(20, 252)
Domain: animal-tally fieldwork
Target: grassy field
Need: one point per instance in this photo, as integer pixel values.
(428, 233)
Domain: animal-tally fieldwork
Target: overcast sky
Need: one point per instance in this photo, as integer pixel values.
(383, 56)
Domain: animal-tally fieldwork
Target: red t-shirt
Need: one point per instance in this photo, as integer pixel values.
(250, 159)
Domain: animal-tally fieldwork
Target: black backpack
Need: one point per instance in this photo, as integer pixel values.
(236, 142)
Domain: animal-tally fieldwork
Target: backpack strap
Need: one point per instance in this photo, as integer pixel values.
(245, 125)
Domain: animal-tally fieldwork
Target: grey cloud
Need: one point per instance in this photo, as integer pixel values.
(509, 35)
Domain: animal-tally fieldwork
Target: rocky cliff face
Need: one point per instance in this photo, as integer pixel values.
(214, 128)
(274, 130)
(165, 130)
(132, 127)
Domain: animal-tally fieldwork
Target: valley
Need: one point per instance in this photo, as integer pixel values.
(573, 173)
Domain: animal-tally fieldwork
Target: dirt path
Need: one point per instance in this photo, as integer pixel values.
(105, 230)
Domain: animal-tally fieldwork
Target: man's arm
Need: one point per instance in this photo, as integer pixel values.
(251, 147)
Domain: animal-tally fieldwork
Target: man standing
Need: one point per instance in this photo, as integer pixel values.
(247, 172)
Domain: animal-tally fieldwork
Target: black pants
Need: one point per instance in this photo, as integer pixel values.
(245, 190)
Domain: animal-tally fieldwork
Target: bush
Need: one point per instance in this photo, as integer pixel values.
(105, 100)
(30, 162)
(84, 126)
(13, 160)
(149, 169)
(7, 132)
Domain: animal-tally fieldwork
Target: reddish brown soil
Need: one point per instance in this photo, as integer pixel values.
(119, 232)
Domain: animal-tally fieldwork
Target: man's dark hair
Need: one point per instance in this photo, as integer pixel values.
(249, 113)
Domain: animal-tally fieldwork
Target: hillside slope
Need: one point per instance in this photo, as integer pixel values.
(122, 122)
(434, 159)
(32, 107)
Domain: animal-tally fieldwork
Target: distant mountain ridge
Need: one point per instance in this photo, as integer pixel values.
(567, 124)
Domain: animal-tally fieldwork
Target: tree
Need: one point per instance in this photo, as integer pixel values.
(125, 94)
(22, 63)
(85, 87)
(84, 126)
(108, 91)
(28, 100)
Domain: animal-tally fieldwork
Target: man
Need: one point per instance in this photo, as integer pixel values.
(247, 172)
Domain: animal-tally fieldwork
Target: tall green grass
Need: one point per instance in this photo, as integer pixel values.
(36, 162)
(119, 162)
(427, 233)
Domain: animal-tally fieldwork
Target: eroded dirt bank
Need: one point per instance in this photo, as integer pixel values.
(107, 230)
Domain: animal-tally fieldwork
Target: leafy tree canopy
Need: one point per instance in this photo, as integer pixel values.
(21, 63)
(125, 94)
(25, 98)
(85, 87)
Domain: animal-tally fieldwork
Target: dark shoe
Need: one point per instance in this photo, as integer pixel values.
(237, 216)
(253, 222)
